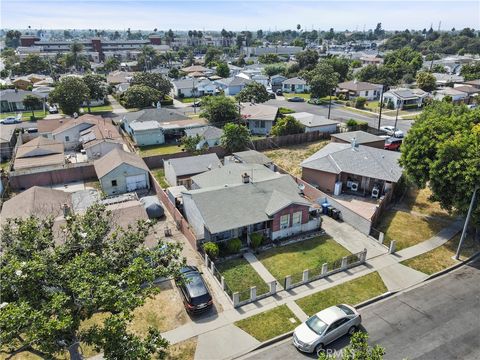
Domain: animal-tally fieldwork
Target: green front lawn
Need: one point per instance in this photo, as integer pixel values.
(269, 324)
(241, 276)
(97, 109)
(188, 100)
(294, 258)
(160, 176)
(39, 114)
(351, 292)
(290, 95)
(442, 257)
(408, 229)
(159, 149)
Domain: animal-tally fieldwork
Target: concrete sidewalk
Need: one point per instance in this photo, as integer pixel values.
(259, 268)
(116, 107)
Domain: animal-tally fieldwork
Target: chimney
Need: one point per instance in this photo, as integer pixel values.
(245, 178)
(66, 210)
(354, 144)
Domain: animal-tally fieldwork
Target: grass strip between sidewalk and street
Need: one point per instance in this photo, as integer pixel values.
(269, 324)
(351, 292)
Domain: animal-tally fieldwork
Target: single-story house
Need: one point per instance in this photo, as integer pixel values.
(261, 79)
(273, 207)
(371, 60)
(39, 153)
(314, 122)
(456, 95)
(157, 126)
(22, 83)
(276, 82)
(354, 88)
(8, 139)
(179, 171)
(211, 135)
(447, 79)
(119, 77)
(197, 69)
(471, 91)
(260, 117)
(474, 83)
(12, 99)
(356, 169)
(120, 172)
(191, 87)
(99, 140)
(252, 157)
(236, 85)
(360, 137)
(295, 85)
(405, 98)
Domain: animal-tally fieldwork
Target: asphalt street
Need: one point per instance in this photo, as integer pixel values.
(439, 320)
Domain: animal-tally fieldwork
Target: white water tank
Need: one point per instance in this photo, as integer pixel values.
(338, 188)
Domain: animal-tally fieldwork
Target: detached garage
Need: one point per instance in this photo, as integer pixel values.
(120, 172)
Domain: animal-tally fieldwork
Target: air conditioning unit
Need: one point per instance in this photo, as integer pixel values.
(375, 192)
(354, 186)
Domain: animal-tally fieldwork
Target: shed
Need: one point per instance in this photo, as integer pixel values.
(179, 171)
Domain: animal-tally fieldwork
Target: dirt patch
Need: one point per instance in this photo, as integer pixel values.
(184, 350)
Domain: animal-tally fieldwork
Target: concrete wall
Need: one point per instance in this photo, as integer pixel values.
(193, 216)
(170, 175)
(324, 180)
(119, 174)
(329, 129)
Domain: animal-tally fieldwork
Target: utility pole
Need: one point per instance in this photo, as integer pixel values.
(467, 220)
(381, 107)
(396, 119)
(330, 104)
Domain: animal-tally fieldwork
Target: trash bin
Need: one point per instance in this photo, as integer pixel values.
(329, 210)
(325, 208)
(336, 214)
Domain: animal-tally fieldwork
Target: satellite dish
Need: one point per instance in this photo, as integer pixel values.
(301, 187)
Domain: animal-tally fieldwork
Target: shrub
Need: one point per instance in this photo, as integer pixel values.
(256, 240)
(284, 110)
(352, 123)
(234, 245)
(362, 125)
(167, 100)
(211, 249)
(360, 102)
(410, 106)
(341, 97)
(348, 103)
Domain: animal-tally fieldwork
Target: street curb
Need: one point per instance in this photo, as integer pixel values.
(453, 267)
(375, 299)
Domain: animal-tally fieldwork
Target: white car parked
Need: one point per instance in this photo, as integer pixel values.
(325, 327)
(391, 131)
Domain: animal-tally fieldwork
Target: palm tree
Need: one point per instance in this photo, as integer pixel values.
(75, 50)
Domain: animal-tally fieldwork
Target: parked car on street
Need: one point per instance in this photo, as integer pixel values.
(194, 290)
(296, 99)
(325, 327)
(279, 92)
(392, 143)
(11, 120)
(52, 109)
(390, 130)
(271, 95)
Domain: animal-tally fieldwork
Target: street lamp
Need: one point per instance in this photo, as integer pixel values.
(467, 220)
(381, 107)
(330, 104)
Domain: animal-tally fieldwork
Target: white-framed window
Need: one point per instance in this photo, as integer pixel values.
(366, 93)
(284, 221)
(297, 218)
(67, 138)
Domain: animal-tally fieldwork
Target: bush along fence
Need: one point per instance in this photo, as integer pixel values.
(327, 269)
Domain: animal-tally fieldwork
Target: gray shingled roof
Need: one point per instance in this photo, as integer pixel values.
(159, 115)
(231, 207)
(313, 120)
(207, 132)
(114, 159)
(231, 174)
(361, 137)
(12, 95)
(237, 80)
(363, 160)
(194, 164)
(358, 86)
(252, 157)
(295, 81)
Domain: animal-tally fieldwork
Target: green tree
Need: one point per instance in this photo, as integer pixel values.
(12, 38)
(97, 88)
(222, 69)
(173, 73)
(358, 349)
(111, 64)
(442, 149)
(31, 103)
(154, 81)
(269, 58)
(340, 65)
(236, 137)
(426, 81)
(253, 92)
(140, 96)
(274, 69)
(212, 55)
(75, 51)
(287, 126)
(219, 110)
(307, 60)
(471, 71)
(70, 93)
(49, 288)
(322, 80)
(403, 61)
(190, 143)
(33, 64)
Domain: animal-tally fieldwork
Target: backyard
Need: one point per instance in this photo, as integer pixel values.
(159, 149)
(351, 292)
(289, 158)
(160, 176)
(269, 324)
(294, 258)
(442, 257)
(240, 276)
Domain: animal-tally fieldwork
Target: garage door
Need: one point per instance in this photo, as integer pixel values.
(136, 182)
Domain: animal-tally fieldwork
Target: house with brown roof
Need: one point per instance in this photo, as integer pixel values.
(354, 88)
(120, 172)
(40, 152)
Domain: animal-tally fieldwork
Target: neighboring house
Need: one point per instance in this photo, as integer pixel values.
(234, 70)
(260, 117)
(471, 91)
(405, 98)
(39, 153)
(371, 60)
(360, 137)
(447, 79)
(197, 69)
(8, 139)
(295, 85)
(272, 207)
(211, 135)
(22, 83)
(99, 140)
(261, 79)
(12, 99)
(314, 122)
(474, 83)
(122, 87)
(351, 168)
(120, 172)
(252, 157)
(236, 85)
(157, 126)
(191, 87)
(276, 82)
(354, 88)
(119, 77)
(456, 95)
(179, 171)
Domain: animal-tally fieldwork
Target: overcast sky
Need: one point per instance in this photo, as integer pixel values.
(238, 15)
